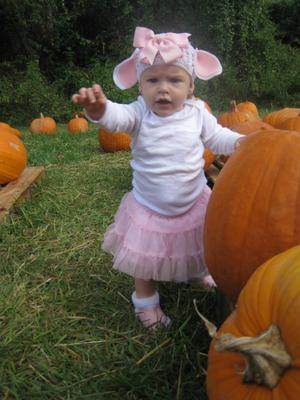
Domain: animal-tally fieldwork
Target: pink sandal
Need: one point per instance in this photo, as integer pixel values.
(148, 311)
(152, 318)
(207, 282)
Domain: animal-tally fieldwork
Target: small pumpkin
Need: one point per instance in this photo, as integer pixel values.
(254, 209)
(255, 354)
(209, 158)
(78, 125)
(233, 117)
(43, 124)
(114, 141)
(206, 105)
(248, 106)
(13, 157)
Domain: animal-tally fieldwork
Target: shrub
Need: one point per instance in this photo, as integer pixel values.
(24, 95)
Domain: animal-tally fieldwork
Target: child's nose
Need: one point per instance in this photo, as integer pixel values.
(163, 87)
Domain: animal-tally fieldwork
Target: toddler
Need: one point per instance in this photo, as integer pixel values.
(157, 234)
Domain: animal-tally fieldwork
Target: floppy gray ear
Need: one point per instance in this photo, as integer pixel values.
(124, 74)
(206, 65)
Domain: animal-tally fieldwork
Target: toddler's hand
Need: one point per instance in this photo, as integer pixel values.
(238, 143)
(92, 99)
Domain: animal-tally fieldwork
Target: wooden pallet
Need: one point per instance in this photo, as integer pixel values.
(14, 192)
(213, 172)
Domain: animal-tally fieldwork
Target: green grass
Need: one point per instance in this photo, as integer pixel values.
(66, 323)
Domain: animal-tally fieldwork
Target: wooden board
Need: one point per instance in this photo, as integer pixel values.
(16, 191)
(213, 172)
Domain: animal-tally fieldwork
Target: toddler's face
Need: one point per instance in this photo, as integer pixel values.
(165, 88)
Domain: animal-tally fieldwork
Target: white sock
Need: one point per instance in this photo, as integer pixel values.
(145, 302)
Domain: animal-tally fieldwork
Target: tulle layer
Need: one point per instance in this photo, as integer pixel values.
(148, 245)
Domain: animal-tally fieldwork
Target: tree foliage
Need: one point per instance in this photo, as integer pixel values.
(257, 42)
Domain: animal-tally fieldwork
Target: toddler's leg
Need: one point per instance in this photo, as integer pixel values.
(146, 304)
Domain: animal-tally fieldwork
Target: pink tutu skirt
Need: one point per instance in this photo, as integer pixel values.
(148, 245)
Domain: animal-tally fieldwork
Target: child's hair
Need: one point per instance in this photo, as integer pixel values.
(165, 48)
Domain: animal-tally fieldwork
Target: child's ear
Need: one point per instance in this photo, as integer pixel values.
(140, 89)
(191, 88)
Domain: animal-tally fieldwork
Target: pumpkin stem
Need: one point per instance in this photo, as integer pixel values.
(265, 354)
(42, 115)
(233, 107)
(211, 328)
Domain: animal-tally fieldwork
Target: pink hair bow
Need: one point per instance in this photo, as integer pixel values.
(168, 45)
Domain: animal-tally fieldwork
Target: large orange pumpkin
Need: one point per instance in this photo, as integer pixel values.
(255, 354)
(13, 157)
(254, 209)
(78, 125)
(43, 124)
(246, 128)
(114, 141)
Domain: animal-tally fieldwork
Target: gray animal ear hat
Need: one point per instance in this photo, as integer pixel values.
(165, 48)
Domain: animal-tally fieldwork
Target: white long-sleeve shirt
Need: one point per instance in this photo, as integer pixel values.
(167, 152)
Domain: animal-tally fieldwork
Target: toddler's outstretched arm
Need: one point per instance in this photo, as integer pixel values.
(92, 99)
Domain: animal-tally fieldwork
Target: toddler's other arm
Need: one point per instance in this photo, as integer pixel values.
(217, 138)
(92, 99)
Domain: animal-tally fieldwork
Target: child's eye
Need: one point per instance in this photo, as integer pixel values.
(175, 80)
(152, 80)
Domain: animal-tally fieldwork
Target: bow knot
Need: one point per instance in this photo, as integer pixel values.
(168, 45)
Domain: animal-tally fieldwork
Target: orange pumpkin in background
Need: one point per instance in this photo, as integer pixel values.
(209, 158)
(249, 127)
(78, 125)
(206, 105)
(255, 354)
(13, 157)
(248, 106)
(233, 117)
(291, 124)
(276, 118)
(46, 125)
(114, 141)
(254, 210)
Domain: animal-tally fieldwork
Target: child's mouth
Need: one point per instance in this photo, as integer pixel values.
(163, 101)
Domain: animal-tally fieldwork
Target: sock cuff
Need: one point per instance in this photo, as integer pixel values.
(145, 302)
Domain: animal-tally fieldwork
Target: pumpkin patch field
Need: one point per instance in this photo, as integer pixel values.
(66, 322)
